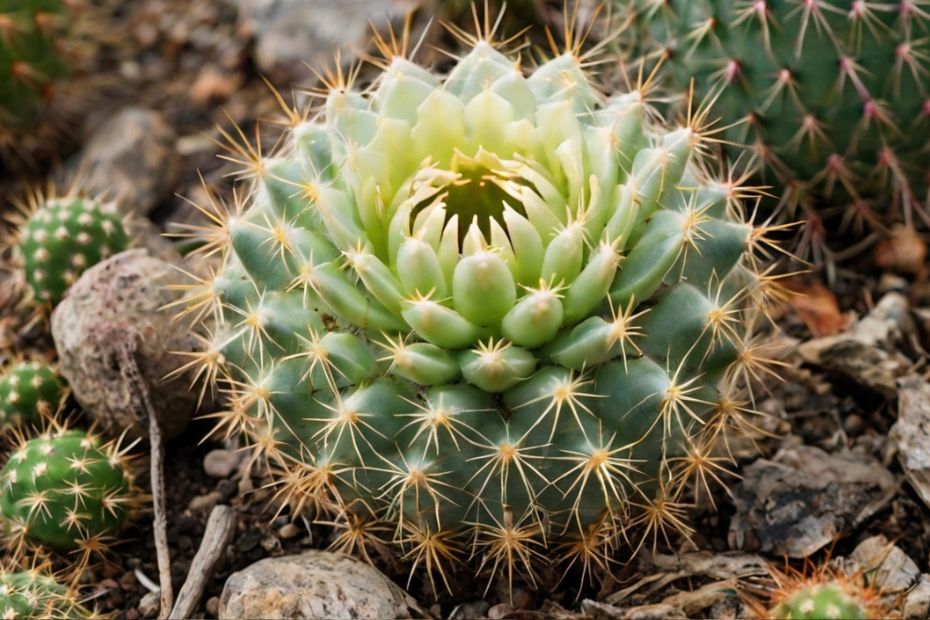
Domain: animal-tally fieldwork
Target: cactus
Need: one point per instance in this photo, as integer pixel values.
(499, 313)
(29, 57)
(34, 595)
(58, 238)
(833, 96)
(825, 600)
(65, 490)
(29, 393)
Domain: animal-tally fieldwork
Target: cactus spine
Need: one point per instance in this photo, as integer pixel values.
(833, 96)
(29, 393)
(491, 312)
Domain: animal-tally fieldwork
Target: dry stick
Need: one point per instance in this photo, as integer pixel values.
(157, 444)
(220, 529)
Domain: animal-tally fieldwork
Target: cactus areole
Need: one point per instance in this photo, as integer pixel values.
(493, 311)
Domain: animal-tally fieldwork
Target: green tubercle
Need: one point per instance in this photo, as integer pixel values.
(65, 489)
(29, 393)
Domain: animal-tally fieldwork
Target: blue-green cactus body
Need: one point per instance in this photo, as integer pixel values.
(483, 302)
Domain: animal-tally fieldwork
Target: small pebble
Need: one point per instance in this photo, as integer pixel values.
(220, 463)
(853, 424)
(288, 530)
(227, 488)
(248, 540)
(203, 503)
(499, 611)
(213, 606)
(149, 604)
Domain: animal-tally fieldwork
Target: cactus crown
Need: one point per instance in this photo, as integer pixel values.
(67, 490)
(489, 303)
(58, 238)
(33, 595)
(29, 393)
(28, 55)
(825, 600)
(833, 95)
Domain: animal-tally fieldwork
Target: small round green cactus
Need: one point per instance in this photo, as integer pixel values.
(488, 306)
(28, 595)
(29, 392)
(29, 56)
(65, 489)
(824, 601)
(833, 95)
(61, 238)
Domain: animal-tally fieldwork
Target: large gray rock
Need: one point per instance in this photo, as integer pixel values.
(293, 35)
(115, 309)
(132, 159)
(314, 584)
(804, 499)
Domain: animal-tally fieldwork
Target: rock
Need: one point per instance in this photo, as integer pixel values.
(470, 611)
(114, 310)
(602, 611)
(863, 353)
(131, 158)
(917, 601)
(889, 569)
(222, 463)
(804, 498)
(293, 35)
(149, 604)
(205, 503)
(313, 584)
(911, 434)
(499, 611)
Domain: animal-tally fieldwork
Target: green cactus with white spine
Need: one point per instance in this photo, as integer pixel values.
(29, 393)
(32, 594)
(826, 600)
(58, 238)
(29, 56)
(66, 490)
(485, 307)
(833, 95)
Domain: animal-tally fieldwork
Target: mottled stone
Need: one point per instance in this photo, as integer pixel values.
(314, 584)
(116, 309)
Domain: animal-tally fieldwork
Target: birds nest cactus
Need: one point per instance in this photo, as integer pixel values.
(65, 490)
(832, 97)
(28, 594)
(493, 316)
(56, 238)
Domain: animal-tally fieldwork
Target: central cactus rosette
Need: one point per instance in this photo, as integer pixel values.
(485, 303)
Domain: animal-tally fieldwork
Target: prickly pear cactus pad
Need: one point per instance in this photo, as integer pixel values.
(29, 58)
(833, 95)
(494, 309)
(31, 594)
(59, 238)
(65, 489)
(29, 391)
